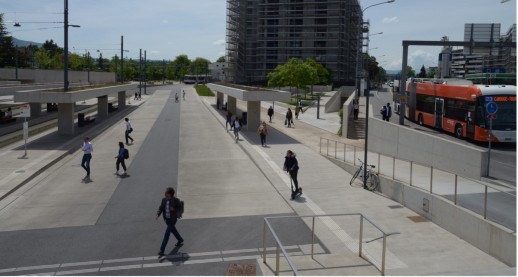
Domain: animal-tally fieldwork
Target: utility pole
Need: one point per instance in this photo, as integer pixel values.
(145, 72)
(122, 59)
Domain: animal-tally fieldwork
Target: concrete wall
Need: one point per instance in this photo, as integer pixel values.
(348, 111)
(334, 104)
(53, 76)
(408, 144)
(495, 240)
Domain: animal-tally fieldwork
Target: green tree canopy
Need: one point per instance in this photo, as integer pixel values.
(200, 66)
(221, 59)
(179, 67)
(422, 73)
(294, 73)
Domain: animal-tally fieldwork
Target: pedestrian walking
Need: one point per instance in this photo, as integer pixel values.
(389, 112)
(136, 96)
(270, 113)
(128, 131)
(291, 166)
(229, 120)
(176, 97)
(297, 111)
(383, 112)
(356, 109)
(170, 210)
(121, 156)
(87, 148)
(289, 118)
(183, 94)
(263, 132)
(237, 127)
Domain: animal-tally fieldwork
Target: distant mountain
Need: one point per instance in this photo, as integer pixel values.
(23, 43)
(392, 72)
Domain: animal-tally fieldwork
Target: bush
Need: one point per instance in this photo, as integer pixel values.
(203, 90)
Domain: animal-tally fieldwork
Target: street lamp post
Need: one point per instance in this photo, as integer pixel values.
(367, 98)
(65, 56)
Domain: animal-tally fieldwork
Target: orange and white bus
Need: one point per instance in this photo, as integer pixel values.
(459, 107)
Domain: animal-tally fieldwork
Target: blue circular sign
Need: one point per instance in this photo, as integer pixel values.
(491, 108)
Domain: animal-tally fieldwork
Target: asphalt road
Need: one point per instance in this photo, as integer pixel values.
(125, 238)
(503, 157)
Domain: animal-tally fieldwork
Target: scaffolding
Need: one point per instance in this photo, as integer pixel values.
(262, 34)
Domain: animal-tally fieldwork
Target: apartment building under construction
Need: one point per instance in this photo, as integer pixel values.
(262, 34)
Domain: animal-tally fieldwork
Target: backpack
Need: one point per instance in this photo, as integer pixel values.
(126, 154)
(179, 211)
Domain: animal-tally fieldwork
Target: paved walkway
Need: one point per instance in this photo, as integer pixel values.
(258, 186)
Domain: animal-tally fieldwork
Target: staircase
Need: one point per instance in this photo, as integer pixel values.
(356, 128)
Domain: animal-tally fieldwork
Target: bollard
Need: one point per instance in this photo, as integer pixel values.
(277, 255)
(485, 203)
(379, 162)
(393, 168)
(335, 147)
(264, 242)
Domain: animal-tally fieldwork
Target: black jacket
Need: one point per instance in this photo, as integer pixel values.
(173, 205)
(291, 164)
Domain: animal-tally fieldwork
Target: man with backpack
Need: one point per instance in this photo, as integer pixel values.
(171, 209)
(121, 156)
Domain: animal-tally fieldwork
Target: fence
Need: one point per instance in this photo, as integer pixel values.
(325, 218)
(495, 204)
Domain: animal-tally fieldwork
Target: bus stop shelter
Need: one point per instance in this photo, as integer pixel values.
(251, 95)
(66, 101)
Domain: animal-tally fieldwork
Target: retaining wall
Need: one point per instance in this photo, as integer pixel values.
(408, 144)
(53, 76)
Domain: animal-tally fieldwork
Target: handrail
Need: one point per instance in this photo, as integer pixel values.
(507, 191)
(288, 258)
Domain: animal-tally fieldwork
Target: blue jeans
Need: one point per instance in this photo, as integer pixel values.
(85, 163)
(171, 228)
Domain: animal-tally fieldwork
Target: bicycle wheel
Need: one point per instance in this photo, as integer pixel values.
(355, 176)
(373, 181)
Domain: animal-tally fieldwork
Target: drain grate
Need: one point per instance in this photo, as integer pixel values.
(240, 270)
(395, 207)
(417, 218)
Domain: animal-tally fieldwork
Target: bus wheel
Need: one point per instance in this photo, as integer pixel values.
(458, 131)
(420, 119)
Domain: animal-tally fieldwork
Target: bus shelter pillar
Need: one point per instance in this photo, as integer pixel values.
(102, 106)
(219, 100)
(35, 109)
(232, 104)
(66, 119)
(253, 109)
(122, 100)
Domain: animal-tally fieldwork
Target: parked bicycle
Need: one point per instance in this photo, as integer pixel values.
(372, 177)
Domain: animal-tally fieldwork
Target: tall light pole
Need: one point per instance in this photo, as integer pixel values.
(65, 56)
(367, 98)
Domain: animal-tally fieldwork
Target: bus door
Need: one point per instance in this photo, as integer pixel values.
(470, 121)
(439, 112)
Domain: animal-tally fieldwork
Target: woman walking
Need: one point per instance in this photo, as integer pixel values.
(237, 128)
(263, 132)
(289, 118)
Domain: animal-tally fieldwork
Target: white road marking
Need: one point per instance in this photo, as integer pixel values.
(203, 254)
(122, 267)
(37, 267)
(77, 272)
(123, 260)
(203, 261)
(82, 263)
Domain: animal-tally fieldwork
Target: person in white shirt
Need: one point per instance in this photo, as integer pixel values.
(237, 128)
(87, 148)
(128, 131)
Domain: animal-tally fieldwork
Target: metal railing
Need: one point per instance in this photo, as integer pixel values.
(280, 248)
(441, 177)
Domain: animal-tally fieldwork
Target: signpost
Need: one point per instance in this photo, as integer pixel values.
(491, 109)
(25, 111)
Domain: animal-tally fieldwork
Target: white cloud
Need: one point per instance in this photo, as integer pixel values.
(390, 19)
(219, 42)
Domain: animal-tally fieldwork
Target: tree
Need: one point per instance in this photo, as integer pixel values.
(179, 67)
(3, 29)
(323, 74)
(221, 59)
(7, 52)
(294, 73)
(51, 48)
(200, 66)
(409, 72)
(422, 73)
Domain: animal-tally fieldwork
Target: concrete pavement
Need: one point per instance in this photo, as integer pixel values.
(228, 186)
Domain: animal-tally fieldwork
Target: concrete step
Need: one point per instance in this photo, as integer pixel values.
(356, 129)
(322, 264)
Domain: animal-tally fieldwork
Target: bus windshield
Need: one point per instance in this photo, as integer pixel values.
(506, 114)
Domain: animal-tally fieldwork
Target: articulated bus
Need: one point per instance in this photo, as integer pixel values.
(195, 79)
(459, 107)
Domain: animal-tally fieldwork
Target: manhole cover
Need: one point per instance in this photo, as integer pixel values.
(240, 270)
(417, 218)
(395, 207)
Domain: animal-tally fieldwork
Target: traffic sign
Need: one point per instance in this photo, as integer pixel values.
(25, 110)
(491, 116)
(491, 108)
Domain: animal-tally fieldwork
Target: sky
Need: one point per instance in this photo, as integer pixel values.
(168, 28)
